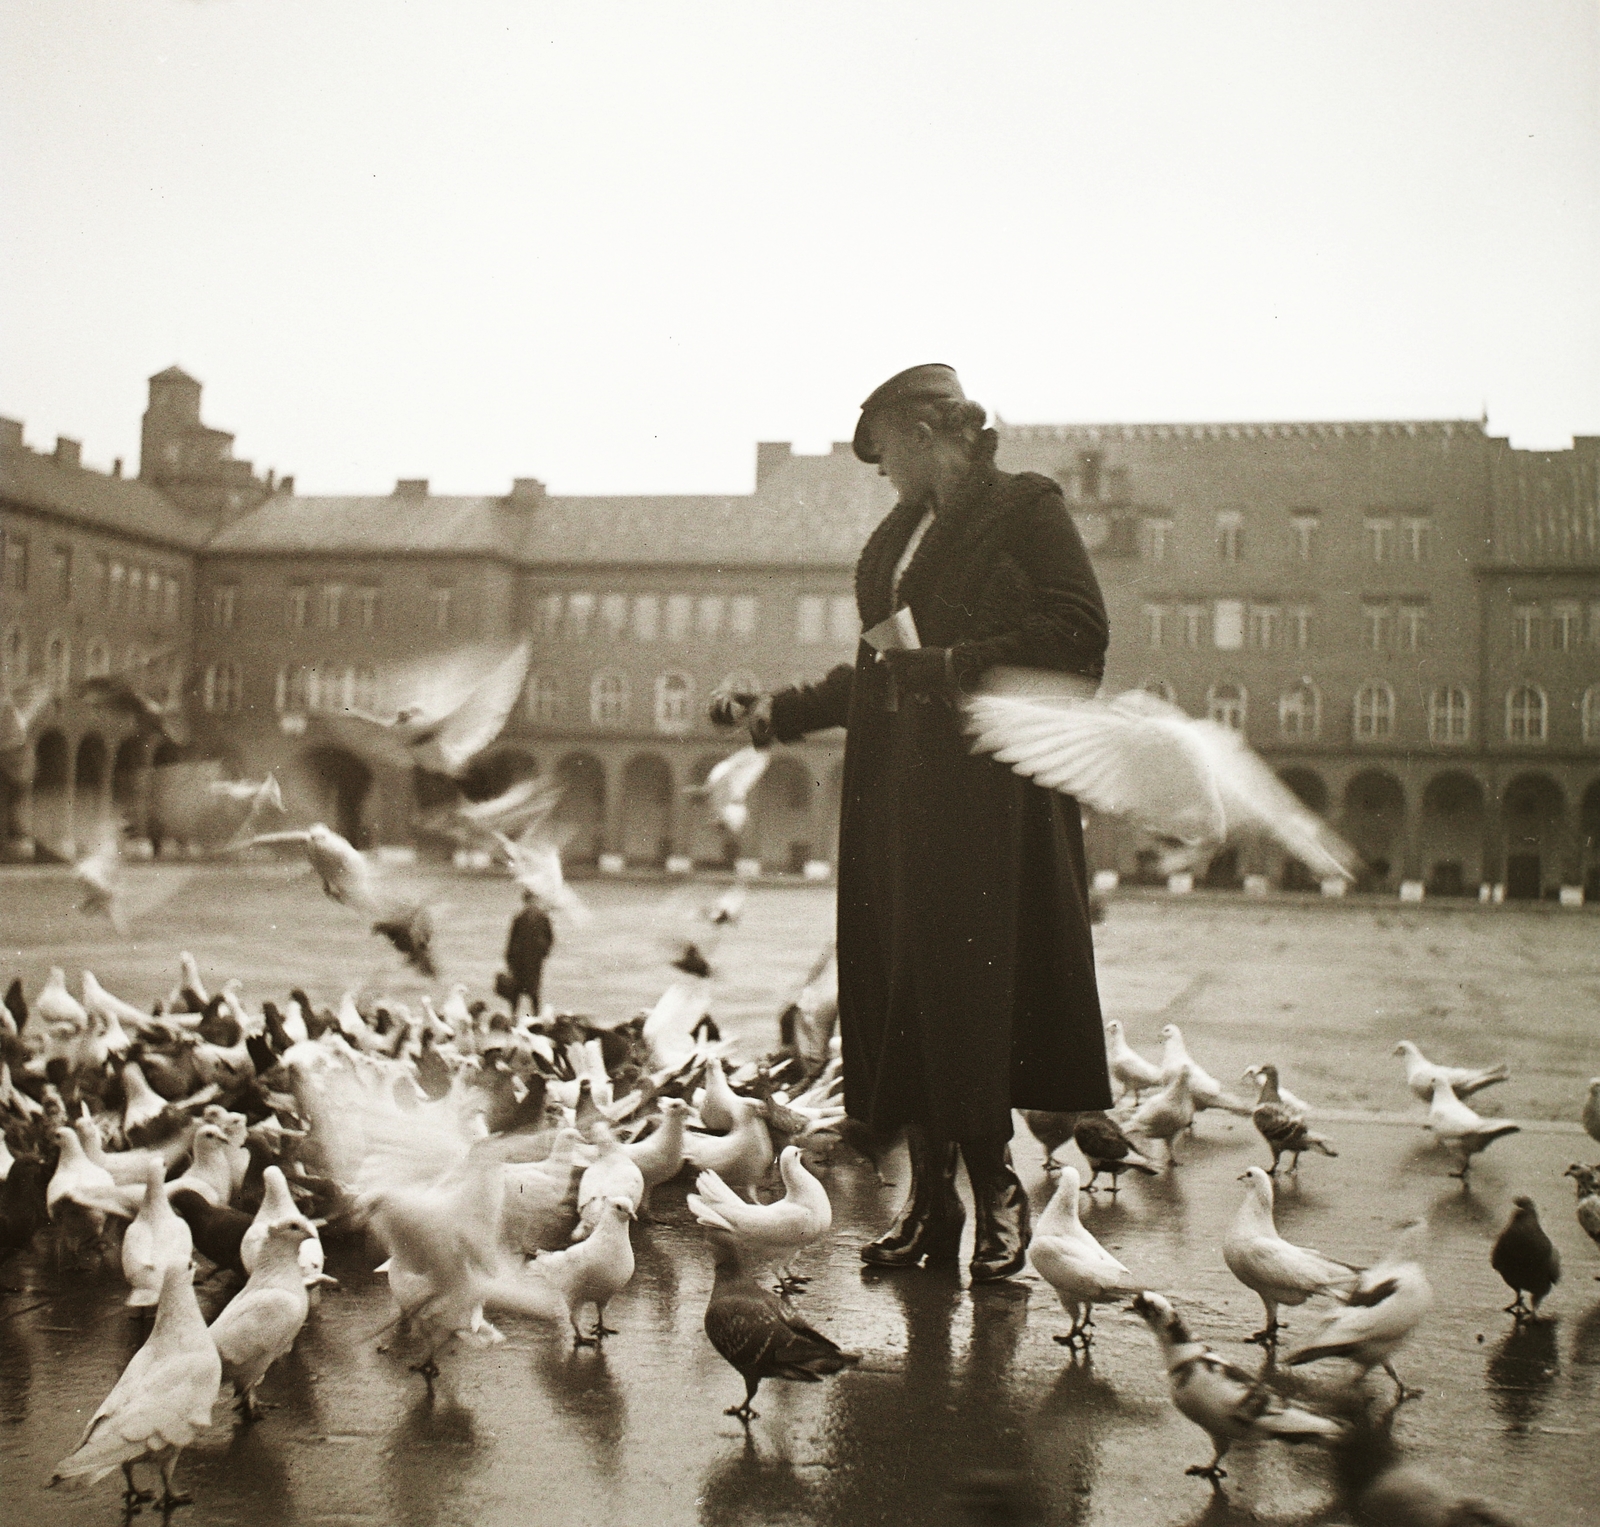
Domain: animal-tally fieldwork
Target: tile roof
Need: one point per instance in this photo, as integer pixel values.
(392, 523)
(122, 505)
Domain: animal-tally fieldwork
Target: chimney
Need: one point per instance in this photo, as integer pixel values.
(272, 478)
(286, 485)
(11, 434)
(842, 448)
(116, 467)
(770, 455)
(411, 487)
(527, 490)
(69, 453)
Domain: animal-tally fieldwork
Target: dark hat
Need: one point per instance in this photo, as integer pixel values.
(934, 381)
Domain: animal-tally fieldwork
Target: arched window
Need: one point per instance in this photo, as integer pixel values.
(1226, 703)
(1300, 710)
(1449, 714)
(544, 698)
(608, 699)
(96, 660)
(1160, 689)
(1526, 714)
(1374, 712)
(1591, 713)
(58, 663)
(672, 702)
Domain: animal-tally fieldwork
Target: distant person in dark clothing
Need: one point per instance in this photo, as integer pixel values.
(527, 948)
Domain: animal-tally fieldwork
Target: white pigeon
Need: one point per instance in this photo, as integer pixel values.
(769, 1235)
(669, 1026)
(611, 1176)
(742, 1158)
(592, 1271)
(96, 999)
(98, 878)
(1387, 1305)
(1422, 1073)
(1128, 1066)
(346, 876)
(126, 1167)
(1081, 1271)
(259, 1324)
(450, 717)
(1166, 1115)
(659, 1156)
(540, 1198)
(210, 1173)
(1227, 1403)
(1204, 1088)
(721, 1107)
(727, 787)
(1190, 783)
(160, 1404)
(157, 1238)
(78, 1181)
(1273, 1268)
(1457, 1126)
(277, 1205)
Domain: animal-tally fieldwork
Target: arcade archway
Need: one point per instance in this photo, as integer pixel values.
(646, 810)
(582, 812)
(1533, 812)
(1372, 822)
(1452, 834)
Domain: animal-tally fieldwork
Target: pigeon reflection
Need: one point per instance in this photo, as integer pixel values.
(756, 1486)
(1521, 1370)
(583, 1390)
(429, 1458)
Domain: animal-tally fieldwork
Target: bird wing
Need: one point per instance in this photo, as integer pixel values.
(738, 773)
(20, 711)
(165, 1401)
(1281, 1264)
(1124, 757)
(1253, 797)
(468, 729)
(371, 738)
(256, 1322)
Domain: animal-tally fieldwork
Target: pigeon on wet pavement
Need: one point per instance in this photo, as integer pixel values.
(1108, 1150)
(1526, 1260)
(1422, 1073)
(1458, 1127)
(260, 1323)
(759, 1334)
(1132, 1071)
(1069, 1258)
(1284, 1128)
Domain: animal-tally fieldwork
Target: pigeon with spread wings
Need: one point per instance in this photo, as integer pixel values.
(1189, 783)
(728, 786)
(435, 731)
(122, 692)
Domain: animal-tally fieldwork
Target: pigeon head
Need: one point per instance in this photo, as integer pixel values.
(1113, 1028)
(671, 1106)
(1525, 1206)
(1405, 1047)
(1168, 1031)
(1160, 1317)
(1260, 1183)
(290, 1232)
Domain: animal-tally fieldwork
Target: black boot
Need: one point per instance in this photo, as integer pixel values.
(930, 1221)
(1001, 1204)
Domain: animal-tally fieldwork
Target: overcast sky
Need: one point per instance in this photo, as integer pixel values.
(613, 245)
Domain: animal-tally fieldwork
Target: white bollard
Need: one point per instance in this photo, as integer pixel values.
(679, 864)
(1256, 885)
(817, 869)
(747, 869)
(1412, 890)
(1106, 880)
(1572, 895)
(1333, 886)
(612, 864)
(1181, 883)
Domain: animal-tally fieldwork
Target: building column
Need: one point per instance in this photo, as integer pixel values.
(611, 826)
(1494, 848)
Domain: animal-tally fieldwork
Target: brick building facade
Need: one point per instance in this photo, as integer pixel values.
(1403, 617)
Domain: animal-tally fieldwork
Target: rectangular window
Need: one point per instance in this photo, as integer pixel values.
(1413, 626)
(1193, 616)
(1566, 627)
(1300, 626)
(708, 615)
(16, 569)
(1230, 535)
(1380, 538)
(367, 689)
(549, 616)
(1525, 625)
(613, 615)
(544, 698)
(136, 591)
(119, 580)
(102, 582)
(1264, 626)
(224, 600)
(1414, 537)
(1154, 625)
(810, 614)
(646, 617)
(742, 615)
(332, 605)
(298, 605)
(1377, 621)
(170, 601)
(1156, 532)
(680, 616)
(843, 625)
(61, 566)
(1304, 528)
(580, 615)
(1227, 624)
(367, 608)
(442, 598)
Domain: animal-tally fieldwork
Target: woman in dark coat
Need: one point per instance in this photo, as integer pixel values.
(966, 966)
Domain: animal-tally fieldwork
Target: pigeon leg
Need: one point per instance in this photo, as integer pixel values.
(1213, 1470)
(427, 1368)
(1267, 1336)
(133, 1497)
(1518, 1308)
(744, 1412)
(169, 1501)
(1401, 1393)
(578, 1338)
(601, 1329)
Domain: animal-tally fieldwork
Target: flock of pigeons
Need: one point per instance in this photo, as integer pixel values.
(500, 1160)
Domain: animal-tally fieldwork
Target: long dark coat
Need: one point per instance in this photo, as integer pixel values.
(966, 965)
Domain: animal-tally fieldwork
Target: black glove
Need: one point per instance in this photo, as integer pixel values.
(741, 708)
(921, 673)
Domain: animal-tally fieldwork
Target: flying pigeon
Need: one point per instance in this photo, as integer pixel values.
(727, 787)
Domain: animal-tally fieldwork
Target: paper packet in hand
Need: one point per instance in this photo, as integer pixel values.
(899, 631)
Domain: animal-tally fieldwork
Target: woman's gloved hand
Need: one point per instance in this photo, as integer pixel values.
(921, 673)
(739, 707)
